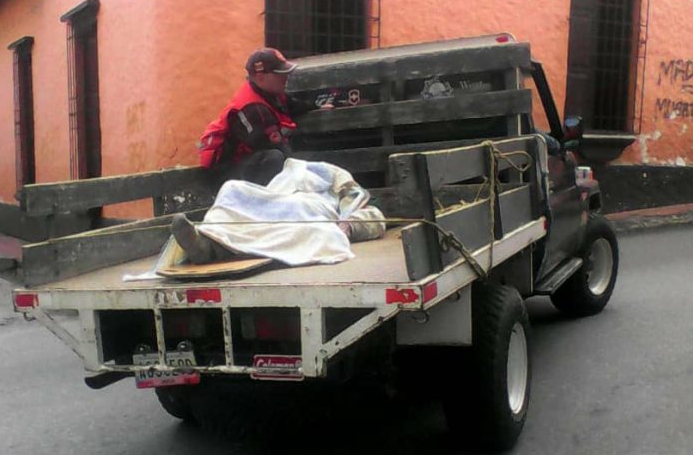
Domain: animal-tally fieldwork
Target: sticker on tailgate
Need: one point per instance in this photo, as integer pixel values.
(277, 367)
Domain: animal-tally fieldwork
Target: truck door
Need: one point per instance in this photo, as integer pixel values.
(566, 223)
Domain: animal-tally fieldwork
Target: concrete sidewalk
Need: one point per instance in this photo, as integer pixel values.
(634, 220)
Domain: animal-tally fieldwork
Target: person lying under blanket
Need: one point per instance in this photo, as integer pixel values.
(305, 215)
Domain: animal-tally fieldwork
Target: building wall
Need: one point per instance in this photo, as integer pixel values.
(405, 21)
(165, 72)
(666, 137)
(39, 19)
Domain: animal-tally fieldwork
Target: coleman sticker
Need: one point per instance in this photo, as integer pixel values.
(277, 367)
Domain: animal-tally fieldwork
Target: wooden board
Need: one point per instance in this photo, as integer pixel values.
(73, 255)
(174, 265)
(63, 197)
(393, 204)
(405, 62)
(216, 269)
(455, 165)
(7, 263)
(15, 223)
(373, 159)
(471, 225)
(468, 106)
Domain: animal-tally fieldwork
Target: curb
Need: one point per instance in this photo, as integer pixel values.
(636, 220)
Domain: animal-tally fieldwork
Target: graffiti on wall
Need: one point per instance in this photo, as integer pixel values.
(677, 73)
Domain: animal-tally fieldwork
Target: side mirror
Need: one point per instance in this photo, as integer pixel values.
(572, 128)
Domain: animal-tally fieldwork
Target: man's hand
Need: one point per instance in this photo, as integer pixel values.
(327, 107)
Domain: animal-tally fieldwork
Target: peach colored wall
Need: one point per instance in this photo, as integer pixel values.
(164, 72)
(40, 19)
(195, 60)
(406, 21)
(667, 127)
(166, 68)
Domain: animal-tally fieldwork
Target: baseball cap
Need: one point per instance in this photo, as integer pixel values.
(268, 60)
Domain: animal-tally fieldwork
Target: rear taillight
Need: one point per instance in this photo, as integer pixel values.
(25, 300)
(430, 291)
(203, 295)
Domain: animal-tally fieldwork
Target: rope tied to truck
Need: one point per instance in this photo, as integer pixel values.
(494, 156)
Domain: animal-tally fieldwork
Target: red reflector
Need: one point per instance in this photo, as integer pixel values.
(400, 296)
(503, 39)
(26, 300)
(430, 291)
(203, 295)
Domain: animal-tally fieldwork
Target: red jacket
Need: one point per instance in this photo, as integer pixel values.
(212, 140)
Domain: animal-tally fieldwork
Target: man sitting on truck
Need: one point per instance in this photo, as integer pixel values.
(252, 132)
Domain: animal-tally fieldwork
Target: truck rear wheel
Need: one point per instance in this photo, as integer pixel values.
(589, 289)
(176, 401)
(493, 411)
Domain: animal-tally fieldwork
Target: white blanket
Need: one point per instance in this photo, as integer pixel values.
(303, 191)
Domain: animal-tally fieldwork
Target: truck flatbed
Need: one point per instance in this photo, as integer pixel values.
(376, 261)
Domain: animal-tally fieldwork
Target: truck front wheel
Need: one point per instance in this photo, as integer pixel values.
(589, 289)
(493, 411)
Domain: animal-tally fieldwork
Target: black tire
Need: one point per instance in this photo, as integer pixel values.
(176, 401)
(483, 409)
(583, 294)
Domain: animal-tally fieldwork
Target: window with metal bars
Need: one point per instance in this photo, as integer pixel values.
(306, 27)
(602, 63)
(83, 90)
(23, 111)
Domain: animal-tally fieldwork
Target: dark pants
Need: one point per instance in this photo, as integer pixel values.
(261, 166)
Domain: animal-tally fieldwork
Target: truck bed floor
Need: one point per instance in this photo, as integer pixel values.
(376, 261)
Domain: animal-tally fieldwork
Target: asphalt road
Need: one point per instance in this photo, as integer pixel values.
(617, 383)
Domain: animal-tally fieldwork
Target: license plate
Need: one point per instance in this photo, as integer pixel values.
(277, 367)
(176, 359)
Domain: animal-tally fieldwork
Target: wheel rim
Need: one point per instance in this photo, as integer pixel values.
(601, 262)
(517, 368)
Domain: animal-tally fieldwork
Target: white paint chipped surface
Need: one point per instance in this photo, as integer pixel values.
(642, 140)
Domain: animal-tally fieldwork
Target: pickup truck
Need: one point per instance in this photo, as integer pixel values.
(483, 211)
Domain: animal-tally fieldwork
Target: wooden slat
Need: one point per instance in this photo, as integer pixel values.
(468, 106)
(368, 70)
(15, 223)
(370, 159)
(390, 202)
(456, 164)
(470, 224)
(7, 263)
(63, 197)
(66, 257)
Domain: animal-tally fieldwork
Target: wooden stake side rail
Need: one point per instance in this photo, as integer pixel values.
(63, 197)
(471, 106)
(404, 63)
(73, 255)
(46, 199)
